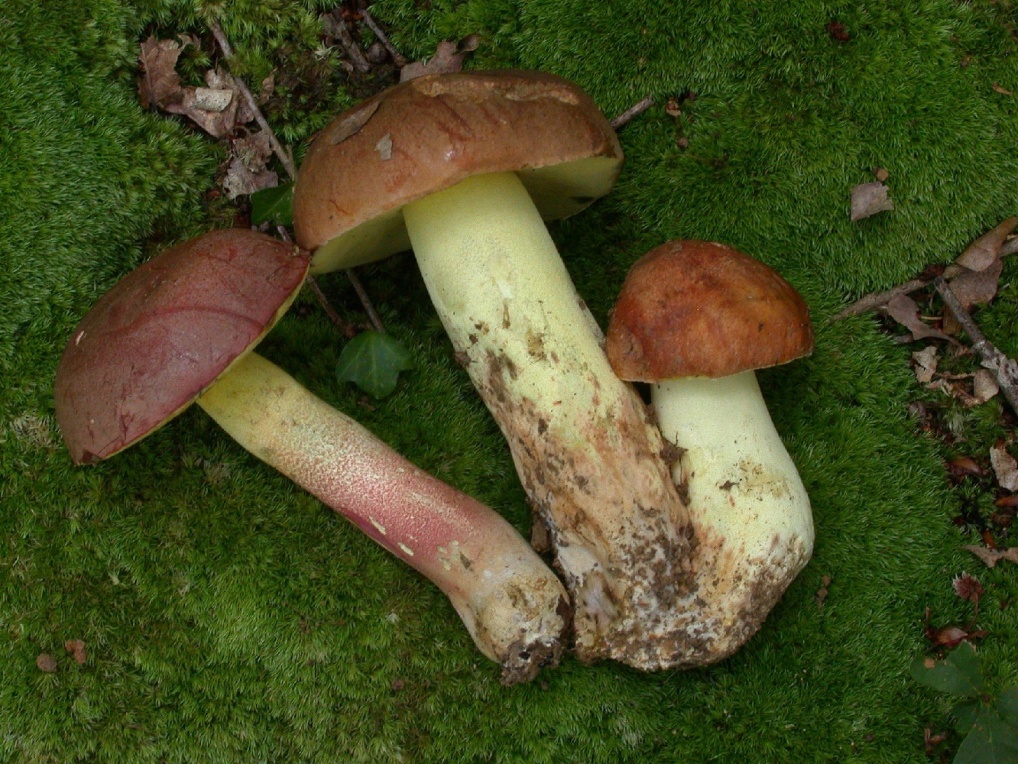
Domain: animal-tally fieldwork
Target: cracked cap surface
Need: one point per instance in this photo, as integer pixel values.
(429, 133)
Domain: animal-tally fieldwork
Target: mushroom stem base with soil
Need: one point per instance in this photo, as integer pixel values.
(513, 606)
(583, 444)
(745, 497)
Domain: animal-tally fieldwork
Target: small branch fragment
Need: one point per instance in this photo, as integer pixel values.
(1005, 369)
(633, 111)
(335, 27)
(284, 156)
(970, 255)
(397, 58)
(369, 307)
(347, 329)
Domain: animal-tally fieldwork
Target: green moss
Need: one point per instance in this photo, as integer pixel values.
(228, 616)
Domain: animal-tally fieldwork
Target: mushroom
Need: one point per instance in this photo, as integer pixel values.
(180, 329)
(695, 319)
(466, 168)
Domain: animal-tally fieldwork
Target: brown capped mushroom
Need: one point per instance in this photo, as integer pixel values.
(180, 329)
(465, 168)
(695, 319)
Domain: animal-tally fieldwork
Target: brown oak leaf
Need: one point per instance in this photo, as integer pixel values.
(904, 310)
(982, 252)
(992, 556)
(159, 83)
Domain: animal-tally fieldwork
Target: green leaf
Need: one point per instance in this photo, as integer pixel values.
(373, 361)
(965, 716)
(958, 674)
(273, 205)
(1007, 706)
(991, 741)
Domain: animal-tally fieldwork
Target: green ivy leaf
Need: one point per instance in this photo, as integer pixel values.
(1007, 705)
(991, 741)
(958, 674)
(373, 361)
(273, 205)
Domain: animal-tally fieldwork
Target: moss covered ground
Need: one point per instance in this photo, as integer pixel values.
(227, 616)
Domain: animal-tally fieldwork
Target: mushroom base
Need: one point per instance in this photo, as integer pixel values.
(582, 442)
(511, 603)
(745, 498)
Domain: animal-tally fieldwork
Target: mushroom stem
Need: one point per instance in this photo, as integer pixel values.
(511, 603)
(582, 442)
(745, 497)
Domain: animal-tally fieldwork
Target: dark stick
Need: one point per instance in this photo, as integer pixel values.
(284, 156)
(633, 111)
(291, 169)
(345, 327)
(376, 321)
(397, 58)
(1004, 369)
(353, 50)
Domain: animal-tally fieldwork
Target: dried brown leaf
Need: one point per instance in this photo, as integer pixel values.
(998, 88)
(46, 663)
(218, 109)
(448, 58)
(968, 587)
(984, 386)
(992, 556)
(977, 287)
(949, 636)
(964, 466)
(904, 310)
(982, 252)
(159, 83)
(868, 199)
(925, 364)
(240, 180)
(1004, 466)
(247, 172)
(352, 122)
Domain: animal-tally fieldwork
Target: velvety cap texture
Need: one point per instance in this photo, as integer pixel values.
(700, 309)
(163, 333)
(429, 133)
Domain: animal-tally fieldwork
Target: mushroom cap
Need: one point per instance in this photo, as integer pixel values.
(700, 309)
(429, 133)
(165, 332)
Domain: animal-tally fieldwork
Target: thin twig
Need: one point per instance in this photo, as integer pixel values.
(283, 154)
(291, 169)
(345, 327)
(633, 111)
(373, 316)
(337, 28)
(1004, 369)
(397, 58)
(879, 299)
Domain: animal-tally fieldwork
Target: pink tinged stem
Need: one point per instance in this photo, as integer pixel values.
(510, 601)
